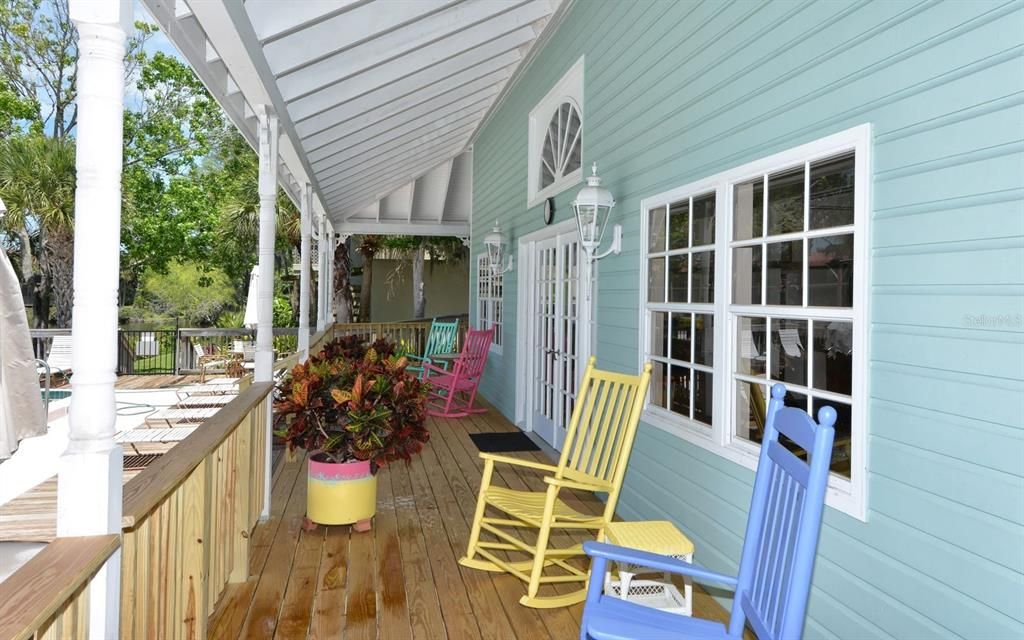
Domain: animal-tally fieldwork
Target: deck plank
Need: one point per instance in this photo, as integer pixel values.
(460, 470)
(400, 580)
(424, 608)
(328, 615)
(392, 601)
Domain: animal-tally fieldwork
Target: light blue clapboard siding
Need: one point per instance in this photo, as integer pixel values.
(676, 91)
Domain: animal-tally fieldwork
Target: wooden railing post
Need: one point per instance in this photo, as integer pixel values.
(243, 513)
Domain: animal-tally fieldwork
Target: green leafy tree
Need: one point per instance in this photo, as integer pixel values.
(185, 290)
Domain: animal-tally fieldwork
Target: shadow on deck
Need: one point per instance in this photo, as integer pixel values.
(402, 579)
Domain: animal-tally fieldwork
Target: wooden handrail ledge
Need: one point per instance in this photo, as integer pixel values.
(148, 489)
(47, 583)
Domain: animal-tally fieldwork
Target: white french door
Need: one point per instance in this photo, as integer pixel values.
(558, 334)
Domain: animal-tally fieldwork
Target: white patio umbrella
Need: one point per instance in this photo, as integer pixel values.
(250, 301)
(21, 406)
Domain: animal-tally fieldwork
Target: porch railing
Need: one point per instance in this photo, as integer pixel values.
(413, 335)
(48, 597)
(187, 519)
(186, 526)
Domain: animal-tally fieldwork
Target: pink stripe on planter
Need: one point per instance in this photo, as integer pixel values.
(331, 471)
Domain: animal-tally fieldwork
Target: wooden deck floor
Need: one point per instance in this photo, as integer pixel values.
(402, 579)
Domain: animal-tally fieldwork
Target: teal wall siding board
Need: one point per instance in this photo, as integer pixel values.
(678, 91)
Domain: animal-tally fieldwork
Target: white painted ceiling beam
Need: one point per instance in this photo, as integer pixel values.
(375, 186)
(274, 18)
(397, 124)
(397, 147)
(403, 228)
(430, 40)
(414, 88)
(361, 172)
(322, 158)
(397, 205)
(459, 201)
(409, 108)
(341, 32)
(429, 194)
(394, 70)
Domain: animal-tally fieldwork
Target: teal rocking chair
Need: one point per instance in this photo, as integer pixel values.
(441, 339)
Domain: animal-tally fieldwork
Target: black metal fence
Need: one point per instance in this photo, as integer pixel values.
(168, 351)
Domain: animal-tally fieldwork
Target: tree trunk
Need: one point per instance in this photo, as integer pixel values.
(26, 257)
(58, 263)
(365, 295)
(342, 284)
(419, 298)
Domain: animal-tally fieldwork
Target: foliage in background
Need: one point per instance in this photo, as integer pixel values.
(184, 290)
(353, 401)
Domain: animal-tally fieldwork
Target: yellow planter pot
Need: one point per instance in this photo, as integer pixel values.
(343, 493)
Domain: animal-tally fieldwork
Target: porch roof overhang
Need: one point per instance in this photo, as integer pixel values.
(377, 100)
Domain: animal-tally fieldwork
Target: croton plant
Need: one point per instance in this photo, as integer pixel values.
(353, 401)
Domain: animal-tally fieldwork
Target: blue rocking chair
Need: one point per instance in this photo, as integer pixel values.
(778, 551)
(441, 339)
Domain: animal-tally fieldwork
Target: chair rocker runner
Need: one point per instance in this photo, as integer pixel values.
(778, 550)
(597, 447)
(453, 393)
(441, 339)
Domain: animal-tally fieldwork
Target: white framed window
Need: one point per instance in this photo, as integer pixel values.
(488, 299)
(759, 275)
(556, 138)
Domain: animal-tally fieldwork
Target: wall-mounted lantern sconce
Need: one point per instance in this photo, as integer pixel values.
(592, 206)
(496, 244)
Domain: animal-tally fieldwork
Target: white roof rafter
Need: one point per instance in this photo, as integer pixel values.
(377, 99)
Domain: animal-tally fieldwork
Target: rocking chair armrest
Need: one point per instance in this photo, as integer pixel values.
(428, 366)
(493, 457)
(655, 561)
(412, 356)
(582, 486)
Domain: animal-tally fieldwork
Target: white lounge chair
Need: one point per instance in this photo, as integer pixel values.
(177, 416)
(192, 402)
(149, 440)
(59, 357)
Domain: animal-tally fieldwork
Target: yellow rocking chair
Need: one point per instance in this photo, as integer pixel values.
(594, 456)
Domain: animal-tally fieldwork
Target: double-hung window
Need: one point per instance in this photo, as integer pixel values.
(488, 299)
(758, 276)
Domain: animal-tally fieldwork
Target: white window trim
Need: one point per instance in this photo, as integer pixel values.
(482, 264)
(847, 496)
(568, 88)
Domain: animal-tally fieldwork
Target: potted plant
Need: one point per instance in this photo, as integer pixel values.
(354, 409)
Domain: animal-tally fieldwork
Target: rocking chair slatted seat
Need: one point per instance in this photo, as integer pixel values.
(597, 447)
(778, 551)
(441, 339)
(453, 393)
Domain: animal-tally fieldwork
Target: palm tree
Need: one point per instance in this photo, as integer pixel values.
(37, 181)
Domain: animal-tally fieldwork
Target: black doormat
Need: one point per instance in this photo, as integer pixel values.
(503, 442)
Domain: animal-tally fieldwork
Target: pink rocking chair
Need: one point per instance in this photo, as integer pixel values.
(453, 392)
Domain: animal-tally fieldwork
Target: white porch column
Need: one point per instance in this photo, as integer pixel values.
(264, 371)
(321, 279)
(89, 475)
(304, 269)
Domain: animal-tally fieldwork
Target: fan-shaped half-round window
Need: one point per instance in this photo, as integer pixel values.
(562, 143)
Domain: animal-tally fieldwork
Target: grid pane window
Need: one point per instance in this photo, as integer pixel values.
(488, 299)
(755, 276)
(800, 257)
(681, 285)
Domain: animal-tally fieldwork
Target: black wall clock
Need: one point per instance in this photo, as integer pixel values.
(549, 210)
